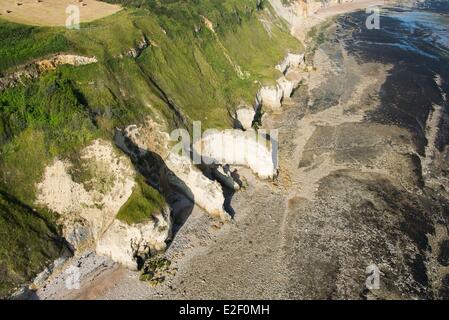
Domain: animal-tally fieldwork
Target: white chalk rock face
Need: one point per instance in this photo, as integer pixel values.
(290, 61)
(271, 97)
(295, 60)
(72, 59)
(88, 212)
(241, 148)
(185, 177)
(290, 13)
(295, 12)
(36, 68)
(191, 182)
(245, 117)
(287, 86)
(123, 243)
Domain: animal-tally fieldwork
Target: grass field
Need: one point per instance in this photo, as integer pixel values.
(53, 12)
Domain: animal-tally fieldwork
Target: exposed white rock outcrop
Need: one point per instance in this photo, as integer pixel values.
(287, 87)
(245, 117)
(149, 136)
(87, 209)
(124, 243)
(226, 175)
(34, 69)
(241, 148)
(190, 181)
(71, 59)
(137, 51)
(271, 97)
(301, 15)
(291, 60)
(182, 175)
(295, 12)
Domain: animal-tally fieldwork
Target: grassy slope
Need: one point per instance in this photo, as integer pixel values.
(65, 109)
(19, 44)
(144, 201)
(29, 242)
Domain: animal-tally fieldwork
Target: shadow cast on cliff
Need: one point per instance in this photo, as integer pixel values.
(156, 173)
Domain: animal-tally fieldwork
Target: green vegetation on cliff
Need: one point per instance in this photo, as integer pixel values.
(143, 202)
(198, 61)
(38, 122)
(29, 242)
